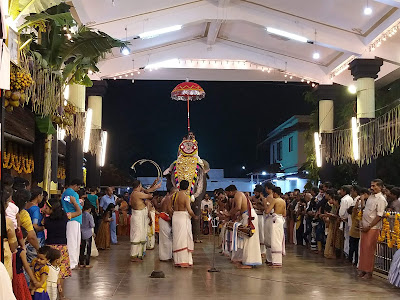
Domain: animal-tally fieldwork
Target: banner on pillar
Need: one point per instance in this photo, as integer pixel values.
(378, 137)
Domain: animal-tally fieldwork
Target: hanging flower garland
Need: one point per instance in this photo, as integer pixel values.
(392, 237)
(18, 159)
(61, 172)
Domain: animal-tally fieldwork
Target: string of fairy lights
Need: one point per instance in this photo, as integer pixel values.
(213, 64)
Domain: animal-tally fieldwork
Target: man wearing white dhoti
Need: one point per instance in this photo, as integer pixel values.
(151, 228)
(165, 237)
(251, 254)
(139, 220)
(182, 237)
(275, 221)
(267, 219)
(257, 202)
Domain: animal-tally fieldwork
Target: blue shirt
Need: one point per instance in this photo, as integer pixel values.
(36, 217)
(68, 206)
(87, 225)
(106, 200)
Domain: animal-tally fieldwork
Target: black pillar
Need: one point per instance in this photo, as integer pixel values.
(93, 173)
(366, 68)
(93, 170)
(326, 92)
(74, 160)
(38, 156)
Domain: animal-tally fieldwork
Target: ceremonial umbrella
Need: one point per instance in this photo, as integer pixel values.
(188, 91)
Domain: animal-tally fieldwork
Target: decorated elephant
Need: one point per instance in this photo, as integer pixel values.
(189, 166)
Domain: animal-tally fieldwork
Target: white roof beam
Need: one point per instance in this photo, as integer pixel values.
(213, 31)
(199, 11)
(394, 3)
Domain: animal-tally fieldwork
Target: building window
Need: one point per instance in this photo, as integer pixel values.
(291, 144)
(273, 154)
(279, 150)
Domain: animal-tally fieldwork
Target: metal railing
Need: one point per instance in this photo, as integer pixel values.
(384, 254)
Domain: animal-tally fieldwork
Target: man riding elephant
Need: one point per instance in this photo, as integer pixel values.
(189, 166)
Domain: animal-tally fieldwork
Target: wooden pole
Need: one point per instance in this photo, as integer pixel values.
(47, 163)
(188, 113)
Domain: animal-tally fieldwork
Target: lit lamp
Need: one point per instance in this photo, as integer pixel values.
(103, 148)
(88, 128)
(317, 143)
(354, 134)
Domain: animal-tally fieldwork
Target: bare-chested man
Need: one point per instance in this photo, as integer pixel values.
(257, 201)
(182, 240)
(165, 240)
(268, 219)
(277, 210)
(251, 254)
(140, 219)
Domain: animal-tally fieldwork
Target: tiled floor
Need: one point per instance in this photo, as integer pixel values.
(304, 276)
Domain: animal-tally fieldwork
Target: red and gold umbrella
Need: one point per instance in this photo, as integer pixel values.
(188, 91)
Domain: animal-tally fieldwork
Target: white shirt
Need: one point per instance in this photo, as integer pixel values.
(345, 203)
(11, 212)
(396, 205)
(208, 202)
(375, 206)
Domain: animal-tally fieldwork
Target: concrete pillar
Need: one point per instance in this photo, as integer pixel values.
(95, 102)
(364, 72)
(326, 113)
(77, 94)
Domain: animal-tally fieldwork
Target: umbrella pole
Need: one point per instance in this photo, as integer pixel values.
(188, 113)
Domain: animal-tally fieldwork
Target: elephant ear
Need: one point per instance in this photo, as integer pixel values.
(206, 166)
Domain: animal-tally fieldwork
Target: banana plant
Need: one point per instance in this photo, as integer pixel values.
(72, 54)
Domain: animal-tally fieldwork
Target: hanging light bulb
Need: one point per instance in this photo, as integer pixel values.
(316, 55)
(352, 89)
(367, 10)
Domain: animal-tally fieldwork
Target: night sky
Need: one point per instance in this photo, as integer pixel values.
(144, 122)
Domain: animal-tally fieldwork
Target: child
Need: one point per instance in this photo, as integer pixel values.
(86, 235)
(41, 272)
(12, 211)
(53, 280)
(204, 214)
(20, 286)
(103, 238)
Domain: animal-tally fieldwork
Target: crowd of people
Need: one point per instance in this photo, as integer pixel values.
(47, 238)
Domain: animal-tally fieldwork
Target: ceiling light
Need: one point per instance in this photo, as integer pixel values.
(352, 89)
(120, 76)
(285, 75)
(115, 78)
(313, 84)
(291, 77)
(125, 51)
(316, 55)
(288, 35)
(367, 11)
(90, 72)
(308, 81)
(264, 173)
(126, 75)
(302, 80)
(131, 74)
(269, 71)
(138, 72)
(154, 33)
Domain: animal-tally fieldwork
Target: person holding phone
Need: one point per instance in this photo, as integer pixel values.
(70, 204)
